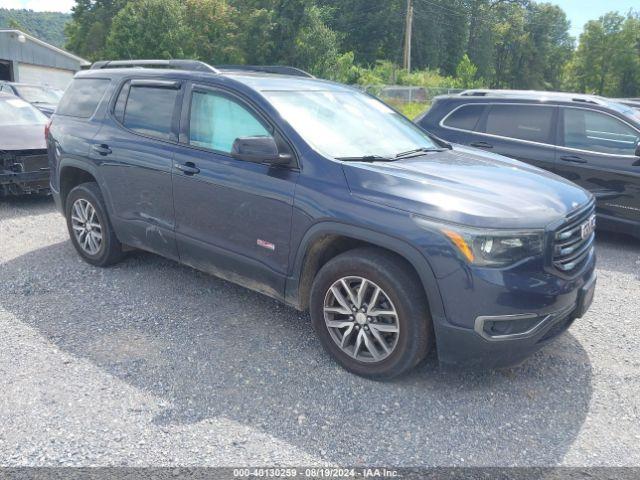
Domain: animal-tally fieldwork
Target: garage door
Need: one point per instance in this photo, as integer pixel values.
(54, 77)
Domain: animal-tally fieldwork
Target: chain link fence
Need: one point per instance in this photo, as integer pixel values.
(406, 94)
(411, 101)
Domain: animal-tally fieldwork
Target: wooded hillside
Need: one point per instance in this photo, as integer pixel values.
(47, 26)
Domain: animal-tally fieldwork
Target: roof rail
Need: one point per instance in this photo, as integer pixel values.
(192, 65)
(528, 94)
(278, 69)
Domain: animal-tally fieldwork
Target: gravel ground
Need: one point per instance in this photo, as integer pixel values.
(152, 363)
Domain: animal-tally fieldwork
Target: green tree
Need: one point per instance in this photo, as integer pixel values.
(607, 61)
(90, 25)
(317, 46)
(466, 74)
(213, 31)
(149, 29)
(48, 26)
(371, 29)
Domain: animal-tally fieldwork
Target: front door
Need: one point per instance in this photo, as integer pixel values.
(597, 151)
(233, 218)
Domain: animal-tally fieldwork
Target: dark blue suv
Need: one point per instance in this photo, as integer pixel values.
(323, 197)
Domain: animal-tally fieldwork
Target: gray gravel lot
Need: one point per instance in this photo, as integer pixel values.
(153, 363)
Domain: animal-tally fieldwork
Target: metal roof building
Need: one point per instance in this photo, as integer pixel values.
(26, 59)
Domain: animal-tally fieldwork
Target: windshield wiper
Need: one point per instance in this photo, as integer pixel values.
(366, 158)
(418, 151)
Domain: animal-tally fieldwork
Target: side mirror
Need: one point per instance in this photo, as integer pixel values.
(638, 149)
(258, 150)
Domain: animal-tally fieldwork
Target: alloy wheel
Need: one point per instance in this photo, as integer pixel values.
(361, 319)
(86, 226)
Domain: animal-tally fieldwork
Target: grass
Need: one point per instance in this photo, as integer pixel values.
(410, 110)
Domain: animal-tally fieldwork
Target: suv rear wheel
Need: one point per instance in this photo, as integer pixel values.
(89, 226)
(371, 313)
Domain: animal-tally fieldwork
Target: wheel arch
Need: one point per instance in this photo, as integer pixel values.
(73, 173)
(325, 240)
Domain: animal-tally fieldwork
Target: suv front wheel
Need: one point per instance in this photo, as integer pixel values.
(89, 226)
(371, 314)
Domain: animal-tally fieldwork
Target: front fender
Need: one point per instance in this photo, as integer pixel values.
(294, 287)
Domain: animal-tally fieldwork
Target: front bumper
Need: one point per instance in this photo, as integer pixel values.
(521, 320)
(24, 173)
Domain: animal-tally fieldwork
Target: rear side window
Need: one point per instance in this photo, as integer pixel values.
(82, 97)
(465, 117)
(148, 110)
(522, 122)
(597, 132)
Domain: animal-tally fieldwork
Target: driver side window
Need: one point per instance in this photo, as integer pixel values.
(597, 132)
(216, 120)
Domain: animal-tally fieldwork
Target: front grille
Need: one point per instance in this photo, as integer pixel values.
(571, 247)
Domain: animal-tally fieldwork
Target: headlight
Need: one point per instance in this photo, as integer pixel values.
(490, 248)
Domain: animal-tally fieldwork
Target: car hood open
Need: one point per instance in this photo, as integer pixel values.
(22, 137)
(469, 187)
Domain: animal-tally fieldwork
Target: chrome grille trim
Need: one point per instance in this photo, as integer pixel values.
(569, 248)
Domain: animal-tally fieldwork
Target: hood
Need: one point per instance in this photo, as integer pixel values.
(22, 137)
(469, 187)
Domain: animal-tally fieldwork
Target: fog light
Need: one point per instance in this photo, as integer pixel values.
(508, 326)
(495, 328)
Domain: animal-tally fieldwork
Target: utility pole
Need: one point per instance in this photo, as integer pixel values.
(407, 36)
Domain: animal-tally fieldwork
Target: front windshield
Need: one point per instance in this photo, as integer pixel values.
(35, 94)
(14, 111)
(345, 124)
(630, 112)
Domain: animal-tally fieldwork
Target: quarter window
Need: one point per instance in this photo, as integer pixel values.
(82, 97)
(217, 120)
(149, 110)
(522, 122)
(465, 118)
(596, 132)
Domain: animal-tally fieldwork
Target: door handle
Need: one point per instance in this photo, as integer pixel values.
(188, 168)
(573, 159)
(102, 149)
(481, 145)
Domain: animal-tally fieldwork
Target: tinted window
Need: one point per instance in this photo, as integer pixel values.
(597, 132)
(217, 120)
(82, 97)
(121, 103)
(465, 118)
(149, 110)
(522, 122)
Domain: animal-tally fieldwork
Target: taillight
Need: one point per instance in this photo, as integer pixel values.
(47, 128)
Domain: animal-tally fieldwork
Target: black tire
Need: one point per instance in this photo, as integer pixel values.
(110, 250)
(404, 289)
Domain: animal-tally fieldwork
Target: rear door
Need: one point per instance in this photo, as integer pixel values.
(597, 151)
(135, 150)
(525, 132)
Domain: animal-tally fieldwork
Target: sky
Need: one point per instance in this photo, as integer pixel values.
(578, 11)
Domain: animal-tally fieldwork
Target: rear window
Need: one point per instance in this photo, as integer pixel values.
(465, 117)
(82, 97)
(522, 122)
(149, 110)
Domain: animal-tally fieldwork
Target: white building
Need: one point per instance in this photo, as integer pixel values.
(26, 59)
